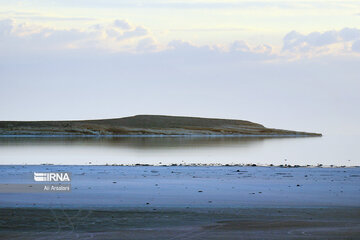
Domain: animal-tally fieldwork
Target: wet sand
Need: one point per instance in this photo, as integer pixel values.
(188, 186)
(248, 223)
(184, 202)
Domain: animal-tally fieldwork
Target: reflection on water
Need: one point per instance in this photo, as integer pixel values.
(135, 142)
(168, 150)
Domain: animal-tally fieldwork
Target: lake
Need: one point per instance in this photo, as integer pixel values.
(326, 150)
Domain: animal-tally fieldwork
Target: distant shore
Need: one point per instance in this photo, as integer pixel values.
(145, 125)
(36, 134)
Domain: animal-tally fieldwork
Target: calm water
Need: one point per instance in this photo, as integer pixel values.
(326, 150)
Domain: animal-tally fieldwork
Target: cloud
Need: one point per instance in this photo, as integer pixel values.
(238, 51)
(264, 48)
(186, 46)
(349, 34)
(40, 17)
(356, 46)
(122, 24)
(25, 37)
(146, 45)
(202, 4)
(239, 46)
(295, 40)
(48, 18)
(223, 29)
(244, 47)
(320, 42)
(137, 32)
(117, 36)
(6, 27)
(123, 36)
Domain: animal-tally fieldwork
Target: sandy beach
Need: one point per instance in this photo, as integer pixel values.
(243, 223)
(184, 202)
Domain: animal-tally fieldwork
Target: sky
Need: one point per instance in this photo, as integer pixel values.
(285, 64)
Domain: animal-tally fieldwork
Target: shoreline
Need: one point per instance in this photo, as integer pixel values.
(159, 135)
(188, 186)
(186, 165)
(183, 202)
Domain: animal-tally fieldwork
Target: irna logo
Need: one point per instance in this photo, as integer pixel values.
(52, 177)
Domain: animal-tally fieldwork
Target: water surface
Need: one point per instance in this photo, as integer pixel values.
(326, 150)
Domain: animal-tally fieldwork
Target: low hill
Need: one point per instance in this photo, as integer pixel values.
(144, 125)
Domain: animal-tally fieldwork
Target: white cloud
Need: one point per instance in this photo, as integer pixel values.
(6, 27)
(137, 32)
(147, 45)
(240, 46)
(118, 36)
(186, 46)
(122, 36)
(40, 17)
(236, 47)
(200, 4)
(241, 50)
(264, 48)
(321, 42)
(356, 46)
(122, 24)
(349, 34)
(234, 53)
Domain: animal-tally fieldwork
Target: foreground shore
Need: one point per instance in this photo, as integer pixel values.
(188, 186)
(184, 202)
(240, 223)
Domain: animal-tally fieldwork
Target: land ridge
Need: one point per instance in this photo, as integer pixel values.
(144, 125)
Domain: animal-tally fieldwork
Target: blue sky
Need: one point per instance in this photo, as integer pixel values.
(286, 64)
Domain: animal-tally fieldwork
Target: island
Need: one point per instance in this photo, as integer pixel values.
(144, 125)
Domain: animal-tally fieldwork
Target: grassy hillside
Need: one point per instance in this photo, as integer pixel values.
(142, 125)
